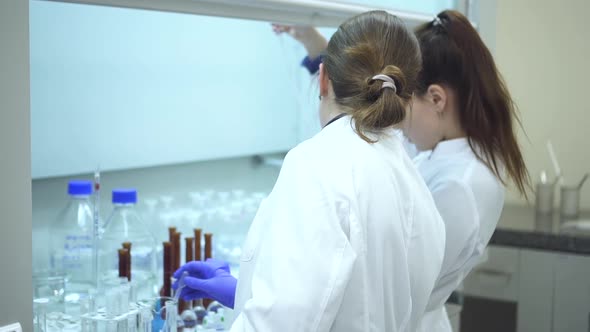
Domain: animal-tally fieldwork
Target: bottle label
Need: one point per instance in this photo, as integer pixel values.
(75, 254)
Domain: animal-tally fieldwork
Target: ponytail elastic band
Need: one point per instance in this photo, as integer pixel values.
(437, 21)
(387, 82)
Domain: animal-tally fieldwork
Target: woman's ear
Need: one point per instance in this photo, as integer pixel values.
(324, 81)
(438, 97)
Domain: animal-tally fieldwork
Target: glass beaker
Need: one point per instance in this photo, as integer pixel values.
(570, 203)
(52, 286)
(544, 198)
(40, 306)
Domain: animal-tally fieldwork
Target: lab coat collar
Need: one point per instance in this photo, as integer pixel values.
(452, 146)
(334, 119)
(347, 120)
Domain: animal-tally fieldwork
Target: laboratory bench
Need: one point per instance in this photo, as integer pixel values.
(535, 277)
(520, 227)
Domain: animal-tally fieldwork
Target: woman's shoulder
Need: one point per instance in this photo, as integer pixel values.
(339, 151)
(473, 184)
(336, 143)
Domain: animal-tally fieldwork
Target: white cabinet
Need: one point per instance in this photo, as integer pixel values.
(572, 294)
(535, 291)
(491, 293)
(552, 290)
(497, 277)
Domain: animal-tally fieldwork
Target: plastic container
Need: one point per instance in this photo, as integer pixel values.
(125, 225)
(570, 203)
(71, 242)
(544, 198)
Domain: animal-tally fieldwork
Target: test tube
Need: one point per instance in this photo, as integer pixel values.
(132, 323)
(171, 236)
(198, 256)
(111, 302)
(208, 245)
(189, 249)
(199, 309)
(128, 272)
(146, 318)
(171, 232)
(121, 308)
(171, 317)
(127, 245)
(124, 295)
(92, 295)
(167, 268)
(123, 260)
(176, 245)
(133, 291)
(186, 307)
(208, 254)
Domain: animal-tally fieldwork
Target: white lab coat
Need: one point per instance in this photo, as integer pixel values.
(469, 198)
(348, 240)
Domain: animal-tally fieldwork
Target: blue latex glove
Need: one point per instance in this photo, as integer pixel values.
(210, 279)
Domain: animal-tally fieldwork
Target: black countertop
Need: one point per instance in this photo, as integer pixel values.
(520, 227)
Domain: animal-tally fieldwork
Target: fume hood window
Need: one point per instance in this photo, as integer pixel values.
(129, 88)
(430, 7)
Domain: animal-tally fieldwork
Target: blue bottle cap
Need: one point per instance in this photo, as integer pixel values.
(79, 188)
(125, 196)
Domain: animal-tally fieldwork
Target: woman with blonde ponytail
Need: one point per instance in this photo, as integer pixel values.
(350, 238)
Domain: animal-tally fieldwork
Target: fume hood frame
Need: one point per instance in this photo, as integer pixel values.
(313, 12)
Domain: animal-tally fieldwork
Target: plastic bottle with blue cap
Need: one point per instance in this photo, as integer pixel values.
(125, 225)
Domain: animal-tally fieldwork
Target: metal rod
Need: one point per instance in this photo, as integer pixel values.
(96, 226)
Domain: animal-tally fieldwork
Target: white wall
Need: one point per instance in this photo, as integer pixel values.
(15, 170)
(543, 51)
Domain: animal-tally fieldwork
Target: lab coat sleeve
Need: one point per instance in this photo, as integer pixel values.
(304, 259)
(456, 204)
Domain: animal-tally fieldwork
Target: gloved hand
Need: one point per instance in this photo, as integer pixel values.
(209, 279)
